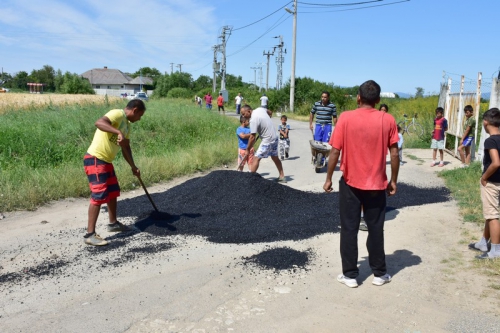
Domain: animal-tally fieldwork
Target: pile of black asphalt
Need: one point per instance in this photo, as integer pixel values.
(280, 258)
(241, 208)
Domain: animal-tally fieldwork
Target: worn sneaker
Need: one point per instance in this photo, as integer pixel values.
(351, 283)
(381, 280)
(433, 163)
(362, 225)
(488, 255)
(118, 227)
(477, 247)
(441, 164)
(281, 180)
(95, 240)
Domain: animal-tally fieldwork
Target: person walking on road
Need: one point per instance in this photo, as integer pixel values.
(364, 181)
(238, 99)
(261, 123)
(208, 101)
(112, 133)
(326, 115)
(220, 104)
(264, 101)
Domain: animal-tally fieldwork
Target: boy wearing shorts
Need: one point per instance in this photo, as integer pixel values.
(440, 127)
(243, 134)
(467, 137)
(112, 133)
(490, 188)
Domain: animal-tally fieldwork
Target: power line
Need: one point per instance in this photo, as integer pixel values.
(277, 10)
(277, 23)
(345, 10)
(338, 4)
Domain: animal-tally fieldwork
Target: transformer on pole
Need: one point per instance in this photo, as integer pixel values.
(280, 59)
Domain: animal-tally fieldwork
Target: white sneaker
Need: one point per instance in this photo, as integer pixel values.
(351, 283)
(381, 280)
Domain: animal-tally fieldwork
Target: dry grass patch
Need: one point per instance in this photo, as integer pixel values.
(14, 101)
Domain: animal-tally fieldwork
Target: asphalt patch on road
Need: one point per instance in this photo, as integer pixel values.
(47, 268)
(280, 258)
(241, 208)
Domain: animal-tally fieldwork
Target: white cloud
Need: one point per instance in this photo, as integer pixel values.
(123, 34)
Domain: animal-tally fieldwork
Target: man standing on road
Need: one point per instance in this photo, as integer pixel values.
(238, 99)
(264, 100)
(261, 123)
(113, 132)
(208, 101)
(363, 136)
(326, 114)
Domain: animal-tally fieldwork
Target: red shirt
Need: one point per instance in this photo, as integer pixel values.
(220, 101)
(363, 136)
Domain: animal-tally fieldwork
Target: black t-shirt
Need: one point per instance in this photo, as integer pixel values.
(493, 142)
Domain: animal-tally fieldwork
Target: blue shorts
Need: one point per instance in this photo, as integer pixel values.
(468, 141)
(322, 132)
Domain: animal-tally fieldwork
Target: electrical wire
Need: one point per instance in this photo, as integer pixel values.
(338, 4)
(277, 10)
(277, 23)
(345, 10)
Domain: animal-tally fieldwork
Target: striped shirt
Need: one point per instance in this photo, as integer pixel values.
(324, 113)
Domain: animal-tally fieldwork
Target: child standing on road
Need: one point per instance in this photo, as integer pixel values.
(490, 187)
(243, 134)
(284, 143)
(220, 103)
(440, 127)
(467, 136)
(400, 145)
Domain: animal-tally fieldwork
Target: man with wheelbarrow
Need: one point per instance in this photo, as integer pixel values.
(326, 117)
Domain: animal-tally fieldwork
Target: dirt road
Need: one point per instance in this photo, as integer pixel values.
(50, 281)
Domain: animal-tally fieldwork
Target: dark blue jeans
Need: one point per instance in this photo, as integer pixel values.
(374, 203)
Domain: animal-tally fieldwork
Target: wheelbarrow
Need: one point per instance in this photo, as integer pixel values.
(320, 152)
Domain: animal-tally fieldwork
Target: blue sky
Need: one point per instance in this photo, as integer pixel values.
(402, 46)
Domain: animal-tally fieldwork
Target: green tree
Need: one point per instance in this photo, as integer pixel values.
(18, 81)
(420, 92)
(45, 75)
(203, 82)
(153, 73)
(75, 84)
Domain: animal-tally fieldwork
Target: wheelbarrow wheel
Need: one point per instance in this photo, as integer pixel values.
(318, 165)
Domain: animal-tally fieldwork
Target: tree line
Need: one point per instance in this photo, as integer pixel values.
(183, 85)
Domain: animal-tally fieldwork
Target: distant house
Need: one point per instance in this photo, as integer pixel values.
(107, 81)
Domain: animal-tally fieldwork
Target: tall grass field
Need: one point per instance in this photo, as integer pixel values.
(42, 147)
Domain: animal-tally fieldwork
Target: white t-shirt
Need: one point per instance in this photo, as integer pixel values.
(261, 123)
(263, 101)
(238, 99)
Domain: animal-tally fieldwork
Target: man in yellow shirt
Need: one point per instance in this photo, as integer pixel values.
(112, 133)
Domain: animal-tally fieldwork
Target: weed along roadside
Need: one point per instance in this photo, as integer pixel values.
(40, 155)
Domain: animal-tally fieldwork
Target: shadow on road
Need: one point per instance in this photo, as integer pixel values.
(396, 262)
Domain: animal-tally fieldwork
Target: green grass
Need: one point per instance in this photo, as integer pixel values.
(41, 150)
(464, 186)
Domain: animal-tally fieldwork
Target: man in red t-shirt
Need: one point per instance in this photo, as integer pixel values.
(363, 136)
(220, 103)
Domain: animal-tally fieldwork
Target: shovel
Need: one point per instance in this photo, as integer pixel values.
(156, 214)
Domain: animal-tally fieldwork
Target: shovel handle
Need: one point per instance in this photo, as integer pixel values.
(147, 193)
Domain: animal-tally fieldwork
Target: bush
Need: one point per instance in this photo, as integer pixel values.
(179, 93)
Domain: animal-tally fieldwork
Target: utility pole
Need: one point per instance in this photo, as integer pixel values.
(226, 32)
(280, 59)
(254, 75)
(180, 67)
(216, 68)
(259, 66)
(294, 48)
(268, 54)
(171, 68)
